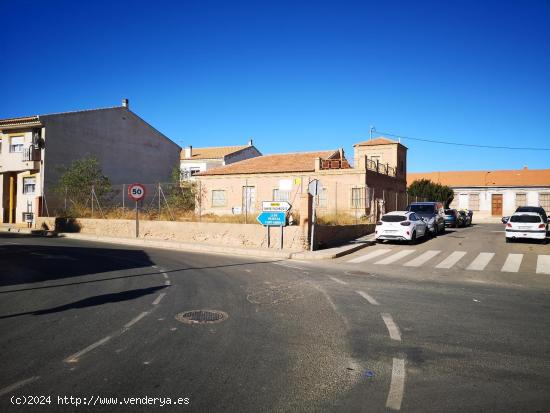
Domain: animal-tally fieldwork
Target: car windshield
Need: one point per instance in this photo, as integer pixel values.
(531, 219)
(393, 218)
(449, 212)
(422, 209)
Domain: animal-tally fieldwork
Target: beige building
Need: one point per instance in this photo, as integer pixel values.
(196, 160)
(33, 149)
(492, 194)
(376, 181)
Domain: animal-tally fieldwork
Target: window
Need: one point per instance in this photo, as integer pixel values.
(321, 197)
(521, 200)
(249, 198)
(356, 197)
(218, 198)
(526, 219)
(473, 202)
(279, 195)
(16, 144)
(29, 185)
(193, 171)
(544, 201)
(394, 218)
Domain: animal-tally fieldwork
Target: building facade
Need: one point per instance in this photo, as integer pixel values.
(241, 187)
(35, 149)
(196, 160)
(496, 193)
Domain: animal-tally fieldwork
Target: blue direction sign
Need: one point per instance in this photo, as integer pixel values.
(272, 219)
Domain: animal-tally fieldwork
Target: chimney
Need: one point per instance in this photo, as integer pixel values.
(250, 142)
(125, 103)
(189, 151)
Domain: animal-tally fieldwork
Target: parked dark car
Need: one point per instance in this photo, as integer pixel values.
(451, 218)
(465, 220)
(432, 212)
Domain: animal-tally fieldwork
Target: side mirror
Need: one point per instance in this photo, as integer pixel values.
(548, 220)
(505, 220)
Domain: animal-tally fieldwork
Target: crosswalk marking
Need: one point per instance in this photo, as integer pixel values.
(481, 261)
(395, 257)
(451, 260)
(373, 254)
(421, 259)
(513, 262)
(543, 264)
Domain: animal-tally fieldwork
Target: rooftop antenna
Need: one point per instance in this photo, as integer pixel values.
(371, 130)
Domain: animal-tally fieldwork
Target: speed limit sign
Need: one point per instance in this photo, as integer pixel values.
(136, 192)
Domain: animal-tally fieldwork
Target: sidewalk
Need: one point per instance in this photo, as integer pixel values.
(325, 254)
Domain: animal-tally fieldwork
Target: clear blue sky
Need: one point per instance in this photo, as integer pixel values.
(295, 75)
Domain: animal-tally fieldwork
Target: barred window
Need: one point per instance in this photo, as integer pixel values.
(544, 201)
(279, 195)
(218, 198)
(16, 144)
(322, 197)
(521, 199)
(356, 197)
(29, 185)
(473, 202)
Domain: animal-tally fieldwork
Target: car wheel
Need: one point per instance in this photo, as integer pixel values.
(443, 230)
(508, 240)
(413, 238)
(434, 233)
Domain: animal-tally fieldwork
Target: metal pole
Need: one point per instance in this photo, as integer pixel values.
(65, 200)
(281, 246)
(159, 200)
(246, 201)
(268, 240)
(123, 198)
(137, 220)
(335, 200)
(92, 194)
(313, 216)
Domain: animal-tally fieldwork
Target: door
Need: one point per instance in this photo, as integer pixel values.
(496, 204)
(249, 198)
(9, 201)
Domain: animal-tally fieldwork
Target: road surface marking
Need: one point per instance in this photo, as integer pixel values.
(17, 385)
(289, 266)
(74, 358)
(154, 266)
(512, 263)
(373, 254)
(397, 385)
(160, 297)
(333, 305)
(135, 320)
(391, 326)
(451, 259)
(367, 297)
(481, 261)
(337, 280)
(543, 264)
(165, 275)
(421, 259)
(167, 282)
(395, 257)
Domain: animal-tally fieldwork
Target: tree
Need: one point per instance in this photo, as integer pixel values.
(76, 183)
(432, 191)
(181, 195)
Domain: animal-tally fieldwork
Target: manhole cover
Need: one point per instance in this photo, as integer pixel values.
(202, 316)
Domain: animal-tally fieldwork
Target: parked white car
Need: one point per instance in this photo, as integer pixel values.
(401, 226)
(526, 225)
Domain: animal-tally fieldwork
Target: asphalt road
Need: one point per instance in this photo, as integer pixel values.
(97, 321)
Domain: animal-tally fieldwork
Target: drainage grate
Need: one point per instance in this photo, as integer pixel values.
(202, 316)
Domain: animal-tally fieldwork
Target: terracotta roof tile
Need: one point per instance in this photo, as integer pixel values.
(378, 141)
(520, 177)
(286, 162)
(212, 152)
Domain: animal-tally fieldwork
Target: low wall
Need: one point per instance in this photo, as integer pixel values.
(237, 235)
(331, 235)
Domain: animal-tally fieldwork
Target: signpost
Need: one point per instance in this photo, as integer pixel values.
(136, 192)
(274, 215)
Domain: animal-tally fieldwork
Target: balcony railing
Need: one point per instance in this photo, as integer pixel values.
(381, 168)
(30, 154)
(334, 164)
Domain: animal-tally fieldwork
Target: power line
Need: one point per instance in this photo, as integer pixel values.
(462, 144)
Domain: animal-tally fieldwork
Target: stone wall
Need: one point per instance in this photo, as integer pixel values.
(236, 235)
(331, 235)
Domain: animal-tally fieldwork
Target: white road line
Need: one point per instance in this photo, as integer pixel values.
(373, 254)
(289, 266)
(395, 257)
(74, 358)
(337, 280)
(135, 320)
(481, 261)
(165, 275)
(167, 282)
(154, 266)
(391, 326)
(512, 263)
(421, 259)
(543, 264)
(160, 297)
(17, 385)
(367, 297)
(397, 385)
(451, 260)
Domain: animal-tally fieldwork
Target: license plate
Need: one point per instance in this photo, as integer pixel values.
(390, 230)
(524, 227)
